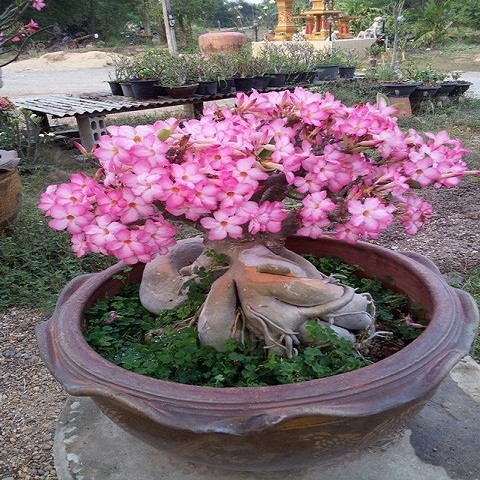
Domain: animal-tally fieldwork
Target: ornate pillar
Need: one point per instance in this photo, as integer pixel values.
(285, 27)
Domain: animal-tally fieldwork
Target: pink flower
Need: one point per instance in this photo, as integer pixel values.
(32, 26)
(266, 217)
(222, 225)
(130, 247)
(72, 218)
(370, 215)
(38, 4)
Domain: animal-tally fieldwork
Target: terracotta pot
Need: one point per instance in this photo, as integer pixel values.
(277, 427)
(221, 41)
(10, 197)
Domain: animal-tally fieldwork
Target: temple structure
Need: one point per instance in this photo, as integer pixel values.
(322, 21)
(323, 26)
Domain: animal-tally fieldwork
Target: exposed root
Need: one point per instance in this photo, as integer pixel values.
(261, 294)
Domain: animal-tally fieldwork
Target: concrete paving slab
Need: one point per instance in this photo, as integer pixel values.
(441, 443)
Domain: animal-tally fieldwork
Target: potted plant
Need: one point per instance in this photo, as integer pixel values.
(205, 72)
(277, 164)
(348, 61)
(243, 70)
(426, 77)
(391, 82)
(146, 71)
(175, 77)
(326, 65)
(460, 86)
(277, 61)
(121, 73)
(224, 64)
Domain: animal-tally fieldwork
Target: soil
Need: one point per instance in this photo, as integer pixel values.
(62, 60)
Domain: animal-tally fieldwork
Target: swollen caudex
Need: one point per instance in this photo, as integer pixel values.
(260, 295)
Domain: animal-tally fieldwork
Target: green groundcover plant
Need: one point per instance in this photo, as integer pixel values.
(166, 346)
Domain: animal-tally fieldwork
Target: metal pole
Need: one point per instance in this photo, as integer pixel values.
(169, 27)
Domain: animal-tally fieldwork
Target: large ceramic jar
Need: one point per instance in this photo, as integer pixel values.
(276, 427)
(221, 41)
(10, 196)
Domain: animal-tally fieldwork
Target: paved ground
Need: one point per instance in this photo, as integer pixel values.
(28, 83)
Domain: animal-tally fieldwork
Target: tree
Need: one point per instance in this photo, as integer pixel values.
(276, 164)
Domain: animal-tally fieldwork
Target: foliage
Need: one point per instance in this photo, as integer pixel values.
(350, 93)
(20, 130)
(15, 34)
(472, 286)
(165, 347)
(434, 22)
(424, 73)
(34, 264)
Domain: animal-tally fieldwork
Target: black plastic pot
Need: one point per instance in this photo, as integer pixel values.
(446, 88)
(400, 89)
(225, 85)
(346, 72)
(261, 82)
(207, 88)
(277, 79)
(144, 89)
(460, 88)
(127, 89)
(182, 91)
(243, 84)
(115, 88)
(422, 92)
(310, 76)
(330, 72)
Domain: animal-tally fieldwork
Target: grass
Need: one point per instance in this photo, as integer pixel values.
(36, 262)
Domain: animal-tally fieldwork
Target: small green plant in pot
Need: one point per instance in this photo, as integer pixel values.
(248, 178)
(348, 62)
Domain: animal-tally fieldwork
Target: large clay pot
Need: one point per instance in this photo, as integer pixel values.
(277, 427)
(221, 41)
(10, 197)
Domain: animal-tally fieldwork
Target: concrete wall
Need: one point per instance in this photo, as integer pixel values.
(358, 44)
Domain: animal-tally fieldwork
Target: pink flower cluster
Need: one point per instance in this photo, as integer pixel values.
(237, 173)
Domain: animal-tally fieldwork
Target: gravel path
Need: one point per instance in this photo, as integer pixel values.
(30, 401)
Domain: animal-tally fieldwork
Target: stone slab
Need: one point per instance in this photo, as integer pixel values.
(441, 443)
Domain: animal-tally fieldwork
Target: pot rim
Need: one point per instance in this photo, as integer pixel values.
(396, 379)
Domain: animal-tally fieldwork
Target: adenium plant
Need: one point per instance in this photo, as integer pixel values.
(14, 32)
(275, 164)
